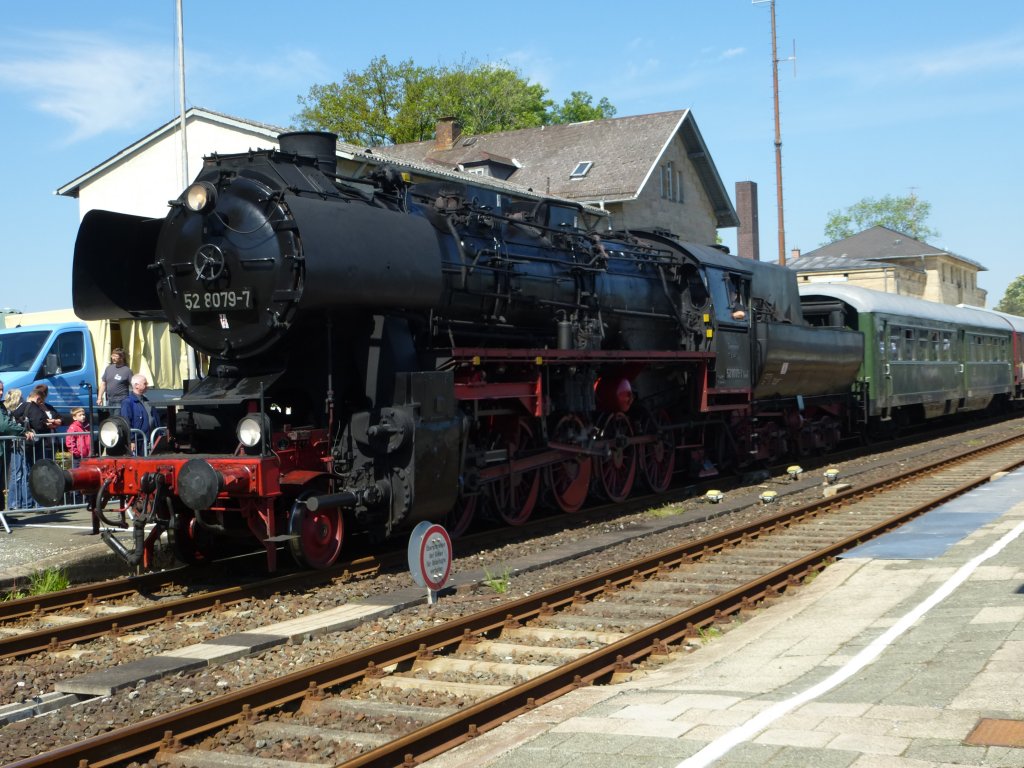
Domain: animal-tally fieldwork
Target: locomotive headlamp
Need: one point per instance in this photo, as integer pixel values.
(114, 435)
(250, 429)
(201, 197)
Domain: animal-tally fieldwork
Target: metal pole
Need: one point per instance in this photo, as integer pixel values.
(190, 354)
(181, 95)
(778, 142)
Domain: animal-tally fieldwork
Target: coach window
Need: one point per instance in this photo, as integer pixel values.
(908, 344)
(947, 346)
(895, 333)
(923, 346)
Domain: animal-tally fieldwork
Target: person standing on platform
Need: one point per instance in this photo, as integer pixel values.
(115, 383)
(78, 438)
(138, 411)
(15, 490)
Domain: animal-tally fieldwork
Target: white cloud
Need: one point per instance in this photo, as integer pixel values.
(936, 64)
(998, 54)
(731, 52)
(90, 82)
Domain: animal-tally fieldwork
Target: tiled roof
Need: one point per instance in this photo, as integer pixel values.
(883, 244)
(271, 132)
(624, 151)
(837, 263)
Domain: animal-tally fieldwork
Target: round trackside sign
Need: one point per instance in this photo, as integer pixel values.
(430, 555)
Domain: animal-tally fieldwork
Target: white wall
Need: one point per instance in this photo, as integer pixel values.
(143, 183)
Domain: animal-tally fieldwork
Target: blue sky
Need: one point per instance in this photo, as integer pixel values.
(888, 98)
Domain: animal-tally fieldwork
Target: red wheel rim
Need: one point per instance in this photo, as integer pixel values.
(515, 497)
(461, 515)
(618, 471)
(569, 480)
(658, 458)
(320, 537)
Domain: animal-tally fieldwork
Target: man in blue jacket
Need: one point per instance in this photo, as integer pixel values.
(137, 410)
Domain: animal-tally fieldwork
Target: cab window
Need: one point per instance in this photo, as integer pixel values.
(730, 293)
(70, 351)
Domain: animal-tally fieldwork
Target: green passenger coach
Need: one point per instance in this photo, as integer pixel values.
(922, 359)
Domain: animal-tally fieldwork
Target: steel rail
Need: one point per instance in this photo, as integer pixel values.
(53, 638)
(76, 596)
(168, 731)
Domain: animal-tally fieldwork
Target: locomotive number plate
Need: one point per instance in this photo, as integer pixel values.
(218, 301)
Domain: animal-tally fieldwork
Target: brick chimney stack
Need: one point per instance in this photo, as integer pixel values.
(748, 242)
(447, 133)
(794, 254)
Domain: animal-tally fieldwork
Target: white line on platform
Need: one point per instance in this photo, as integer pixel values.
(748, 730)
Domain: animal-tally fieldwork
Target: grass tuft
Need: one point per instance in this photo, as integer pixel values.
(500, 584)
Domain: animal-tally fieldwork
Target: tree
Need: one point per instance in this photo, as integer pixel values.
(1013, 299)
(369, 107)
(903, 214)
(397, 103)
(579, 107)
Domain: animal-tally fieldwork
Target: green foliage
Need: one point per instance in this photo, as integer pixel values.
(398, 103)
(709, 633)
(902, 214)
(368, 107)
(1013, 299)
(500, 584)
(579, 107)
(50, 580)
(670, 510)
(41, 583)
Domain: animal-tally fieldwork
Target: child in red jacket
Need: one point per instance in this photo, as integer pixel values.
(79, 439)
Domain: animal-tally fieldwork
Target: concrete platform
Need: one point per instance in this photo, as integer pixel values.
(41, 540)
(878, 663)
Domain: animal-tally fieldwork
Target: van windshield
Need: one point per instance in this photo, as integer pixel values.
(19, 350)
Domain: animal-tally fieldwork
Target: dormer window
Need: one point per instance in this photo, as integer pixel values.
(581, 170)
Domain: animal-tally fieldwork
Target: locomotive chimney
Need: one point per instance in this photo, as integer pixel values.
(748, 243)
(447, 133)
(320, 145)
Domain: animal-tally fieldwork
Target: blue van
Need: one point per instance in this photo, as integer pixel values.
(59, 355)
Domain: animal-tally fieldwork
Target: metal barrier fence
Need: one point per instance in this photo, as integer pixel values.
(18, 456)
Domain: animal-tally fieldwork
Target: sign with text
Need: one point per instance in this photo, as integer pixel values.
(430, 555)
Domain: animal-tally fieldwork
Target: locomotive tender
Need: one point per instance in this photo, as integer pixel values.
(384, 353)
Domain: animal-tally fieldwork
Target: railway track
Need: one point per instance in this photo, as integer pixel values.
(423, 693)
(87, 612)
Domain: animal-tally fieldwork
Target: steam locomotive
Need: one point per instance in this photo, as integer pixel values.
(383, 353)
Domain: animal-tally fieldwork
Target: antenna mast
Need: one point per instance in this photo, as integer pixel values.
(778, 130)
(778, 141)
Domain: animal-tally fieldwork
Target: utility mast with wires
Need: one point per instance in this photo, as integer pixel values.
(778, 130)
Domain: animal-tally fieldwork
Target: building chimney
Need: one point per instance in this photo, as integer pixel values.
(447, 133)
(794, 254)
(748, 242)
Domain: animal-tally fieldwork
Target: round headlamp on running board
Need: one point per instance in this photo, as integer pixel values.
(201, 197)
(115, 435)
(252, 429)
